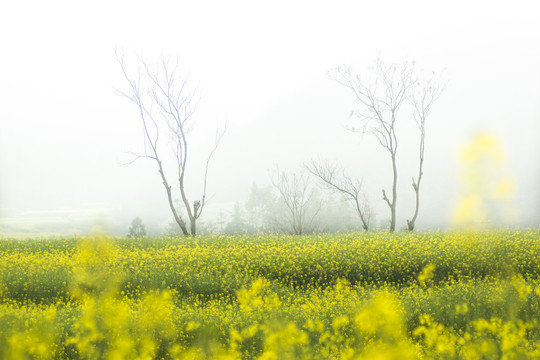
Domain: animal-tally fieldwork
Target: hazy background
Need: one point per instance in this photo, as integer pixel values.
(65, 134)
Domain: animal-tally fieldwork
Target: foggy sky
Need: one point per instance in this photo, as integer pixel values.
(65, 135)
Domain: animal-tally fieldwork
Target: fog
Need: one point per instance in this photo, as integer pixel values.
(66, 136)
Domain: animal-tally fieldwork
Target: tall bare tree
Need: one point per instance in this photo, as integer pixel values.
(422, 100)
(381, 100)
(299, 199)
(166, 106)
(333, 177)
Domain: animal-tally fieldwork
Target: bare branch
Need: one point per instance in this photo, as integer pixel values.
(137, 157)
(218, 136)
(333, 177)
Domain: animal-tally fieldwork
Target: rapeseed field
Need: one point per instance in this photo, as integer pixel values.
(447, 295)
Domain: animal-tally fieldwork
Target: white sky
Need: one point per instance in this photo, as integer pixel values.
(65, 134)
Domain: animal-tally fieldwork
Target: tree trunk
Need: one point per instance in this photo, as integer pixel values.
(177, 218)
(193, 226)
(416, 186)
(394, 196)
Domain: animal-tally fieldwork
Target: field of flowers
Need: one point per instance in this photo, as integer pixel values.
(445, 295)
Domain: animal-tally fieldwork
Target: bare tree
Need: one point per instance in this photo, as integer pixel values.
(422, 100)
(381, 101)
(333, 177)
(299, 200)
(166, 107)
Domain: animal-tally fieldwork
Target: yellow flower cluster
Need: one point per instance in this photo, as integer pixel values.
(349, 296)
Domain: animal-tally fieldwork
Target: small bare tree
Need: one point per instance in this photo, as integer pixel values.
(299, 200)
(166, 109)
(422, 100)
(334, 178)
(381, 100)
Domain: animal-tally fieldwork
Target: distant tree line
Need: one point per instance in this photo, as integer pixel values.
(269, 210)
